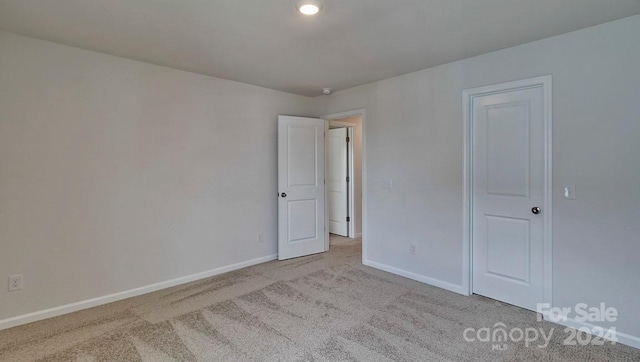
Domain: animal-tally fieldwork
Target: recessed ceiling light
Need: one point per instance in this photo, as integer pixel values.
(309, 7)
(326, 91)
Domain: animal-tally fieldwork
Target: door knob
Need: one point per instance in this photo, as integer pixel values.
(536, 210)
(283, 194)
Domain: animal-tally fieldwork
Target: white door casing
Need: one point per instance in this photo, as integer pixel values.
(337, 187)
(509, 146)
(301, 189)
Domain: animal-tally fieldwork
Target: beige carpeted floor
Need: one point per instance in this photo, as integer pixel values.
(325, 307)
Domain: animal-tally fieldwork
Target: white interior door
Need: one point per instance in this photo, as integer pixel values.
(508, 186)
(337, 186)
(301, 205)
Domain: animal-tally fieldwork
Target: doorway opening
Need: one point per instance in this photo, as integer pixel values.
(303, 205)
(344, 177)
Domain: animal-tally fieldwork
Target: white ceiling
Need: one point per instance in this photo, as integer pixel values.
(267, 43)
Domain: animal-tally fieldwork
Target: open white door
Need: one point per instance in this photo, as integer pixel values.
(301, 197)
(337, 176)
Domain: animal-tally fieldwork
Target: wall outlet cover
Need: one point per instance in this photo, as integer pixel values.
(412, 249)
(15, 282)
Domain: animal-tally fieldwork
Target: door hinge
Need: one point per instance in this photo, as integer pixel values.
(348, 139)
(348, 179)
(348, 219)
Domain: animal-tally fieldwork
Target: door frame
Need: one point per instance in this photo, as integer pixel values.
(351, 129)
(467, 240)
(336, 116)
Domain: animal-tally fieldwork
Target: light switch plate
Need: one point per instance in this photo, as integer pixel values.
(387, 183)
(569, 192)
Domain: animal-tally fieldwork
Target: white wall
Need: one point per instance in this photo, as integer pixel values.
(357, 167)
(116, 174)
(414, 134)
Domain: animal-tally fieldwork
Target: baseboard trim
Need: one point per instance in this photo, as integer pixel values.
(417, 277)
(94, 302)
(623, 338)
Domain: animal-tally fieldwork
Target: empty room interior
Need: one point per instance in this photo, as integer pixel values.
(320, 180)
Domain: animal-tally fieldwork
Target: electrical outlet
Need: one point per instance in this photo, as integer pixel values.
(412, 249)
(260, 237)
(15, 282)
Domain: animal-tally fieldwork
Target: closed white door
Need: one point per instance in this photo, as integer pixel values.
(508, 195)
(301, 205)
(337, 173)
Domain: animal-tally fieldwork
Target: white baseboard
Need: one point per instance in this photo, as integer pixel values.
(623, 338)
(417, 277)
(89, 303)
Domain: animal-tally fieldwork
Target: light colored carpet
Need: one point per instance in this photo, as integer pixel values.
(325, 307)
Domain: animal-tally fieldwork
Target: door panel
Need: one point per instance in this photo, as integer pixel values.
(337, 172)
(302, 164)
(301, 197)
(508, 181)
(508, 149)
(303, 220)
(508, 248)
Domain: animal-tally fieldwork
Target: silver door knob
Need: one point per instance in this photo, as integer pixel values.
(283, 194)
(536, 210)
